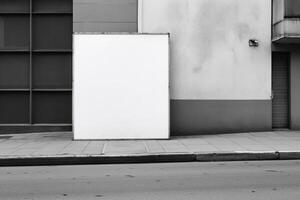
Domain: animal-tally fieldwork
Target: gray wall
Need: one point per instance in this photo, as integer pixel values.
(187, 116)
(195, 117)
(295, 89)
(295, 82)
(105, 16)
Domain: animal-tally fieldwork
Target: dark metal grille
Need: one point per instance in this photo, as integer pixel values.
(36, 62)
(280, 86)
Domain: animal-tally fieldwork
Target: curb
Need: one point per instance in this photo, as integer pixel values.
(289, 155)
(95, 159)
(145, 158)
(238, 156)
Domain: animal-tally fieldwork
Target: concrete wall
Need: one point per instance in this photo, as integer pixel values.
(294, 51)
(210, 55)
(105, 15)
(295, 88)
(292, 8)
(194, 117)
(278, 10)
(218, 83)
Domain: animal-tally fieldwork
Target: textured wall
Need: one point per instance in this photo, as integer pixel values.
(292, 8)
(294, 82)
(210, 56)
(105, 15)
(194, 117)
(278, 10)
(295, 88)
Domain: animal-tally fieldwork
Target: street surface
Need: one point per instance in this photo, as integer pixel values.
(214, 181)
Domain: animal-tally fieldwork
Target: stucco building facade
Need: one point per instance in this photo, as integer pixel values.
(234, 65)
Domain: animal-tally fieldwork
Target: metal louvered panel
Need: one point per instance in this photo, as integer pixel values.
(280, 87)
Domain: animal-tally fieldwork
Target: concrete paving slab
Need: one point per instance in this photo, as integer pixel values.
(124, 147)
(173, 146)
(153, 146)
(59, 148)
(287, 148)
(219, 142)
(94, 148)
(244, 141)
(29, 148)
(2, 140)
(203, 148)
(236, 135)
(258, 147)
(74, 148)
(12, 144)
(6, 152)
(287, 133)
(191, 140)
(33, 145)
(231, 148)
(262, 134)
(52, 148)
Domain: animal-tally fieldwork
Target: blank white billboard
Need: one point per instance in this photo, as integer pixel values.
(121, 86)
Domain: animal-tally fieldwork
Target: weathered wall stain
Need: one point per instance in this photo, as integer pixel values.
(210, 56)
(203, 18)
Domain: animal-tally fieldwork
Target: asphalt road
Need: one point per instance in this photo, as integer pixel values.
(221, 180)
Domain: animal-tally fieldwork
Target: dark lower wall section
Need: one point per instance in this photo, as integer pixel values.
(295, 88)
(196, 117)
(33, 129)
(294, 51)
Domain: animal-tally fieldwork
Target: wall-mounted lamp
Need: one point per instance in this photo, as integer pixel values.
(253, 43)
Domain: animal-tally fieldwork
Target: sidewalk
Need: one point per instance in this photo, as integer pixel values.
(58, 148)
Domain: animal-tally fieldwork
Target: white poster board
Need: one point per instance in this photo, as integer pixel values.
(121, 86)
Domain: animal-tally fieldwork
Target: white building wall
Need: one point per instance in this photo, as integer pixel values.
(210, 55)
